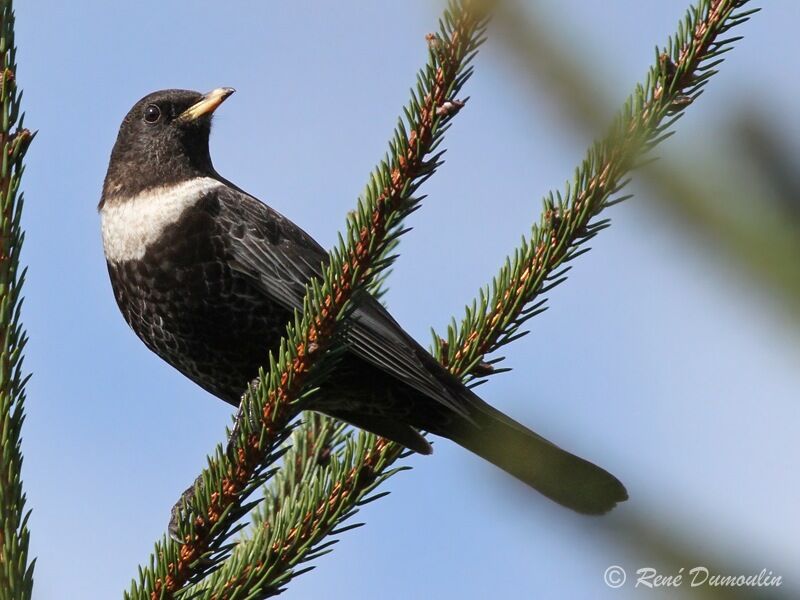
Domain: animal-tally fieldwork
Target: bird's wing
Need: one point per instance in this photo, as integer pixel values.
(280, 258)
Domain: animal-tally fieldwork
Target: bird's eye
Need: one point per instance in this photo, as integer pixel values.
(152, 113)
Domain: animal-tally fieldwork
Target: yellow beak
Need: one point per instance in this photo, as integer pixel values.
(207, 104)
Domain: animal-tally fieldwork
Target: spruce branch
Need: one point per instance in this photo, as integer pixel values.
(764, 248)
(16, 573)
(312, 343)
(330, 475)
(675, 80)
(310, 501)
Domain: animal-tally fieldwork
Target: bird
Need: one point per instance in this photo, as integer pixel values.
(208, 277)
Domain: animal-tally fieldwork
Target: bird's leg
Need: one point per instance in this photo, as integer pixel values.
(240, 417)
(185, 500)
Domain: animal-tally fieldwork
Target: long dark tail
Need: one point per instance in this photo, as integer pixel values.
(563, 477)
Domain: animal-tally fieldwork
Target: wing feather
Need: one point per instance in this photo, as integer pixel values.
(280, 258)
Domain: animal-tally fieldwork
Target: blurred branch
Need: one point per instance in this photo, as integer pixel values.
(772, 155)
(717, 210)
(670, 548)
(16, 573)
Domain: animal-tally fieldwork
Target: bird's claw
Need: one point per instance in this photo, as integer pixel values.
(175, 514)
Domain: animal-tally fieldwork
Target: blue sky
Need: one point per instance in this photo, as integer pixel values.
(656, 359)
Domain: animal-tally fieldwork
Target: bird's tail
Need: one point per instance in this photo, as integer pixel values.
(563, 477)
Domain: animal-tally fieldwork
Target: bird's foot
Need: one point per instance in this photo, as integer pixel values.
(240, 419)
(175, 514)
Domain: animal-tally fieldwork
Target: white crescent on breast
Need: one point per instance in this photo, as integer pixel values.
(131, 225)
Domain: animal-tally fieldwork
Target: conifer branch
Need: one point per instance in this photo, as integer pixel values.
(310, 499)
(765, 249)
(306, 501)
(312, 343)
(674, 81)
(16, 573)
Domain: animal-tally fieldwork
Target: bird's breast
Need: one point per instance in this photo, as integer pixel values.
(130, 226)
(175, 286)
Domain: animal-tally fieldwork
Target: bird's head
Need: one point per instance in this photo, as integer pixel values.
(162, 140)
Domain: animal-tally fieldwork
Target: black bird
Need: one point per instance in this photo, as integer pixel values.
(208, 276)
